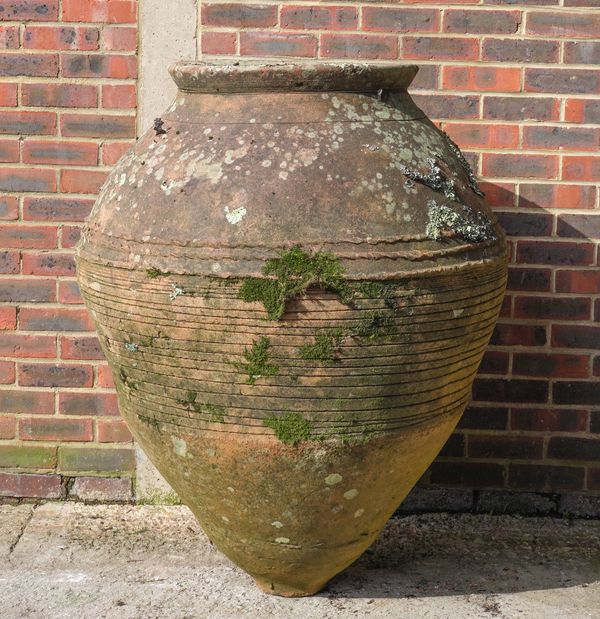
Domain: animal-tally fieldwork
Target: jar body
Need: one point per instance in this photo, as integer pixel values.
(292, 313)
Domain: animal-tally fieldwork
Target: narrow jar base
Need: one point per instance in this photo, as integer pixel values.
(287, 590)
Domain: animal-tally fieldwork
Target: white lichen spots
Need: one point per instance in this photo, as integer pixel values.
(122, 180)
(252, 121)
(225, 519)
(406, 217)
(176, 291)
(277, 524)
(160, 174)
(333, 479)
(351, 494)
(267, 163)
(282, 540)
(230, 489)
(458, 312)
(215, 267)
(359, 512)
(179, 446)
(283, 175)
(336, 509)
(131, 347)
(236, 215)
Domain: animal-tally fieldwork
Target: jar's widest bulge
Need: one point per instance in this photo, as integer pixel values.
(294, 277)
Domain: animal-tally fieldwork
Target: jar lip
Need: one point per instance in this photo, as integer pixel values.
(237, 75)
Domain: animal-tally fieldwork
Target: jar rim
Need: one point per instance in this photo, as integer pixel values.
(237, 75)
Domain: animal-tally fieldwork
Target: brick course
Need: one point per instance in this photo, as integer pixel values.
(517, 86)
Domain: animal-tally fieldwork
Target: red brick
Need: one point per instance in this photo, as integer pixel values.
(578, 226)
(105, 378)
(545, 478)
(9, 262)
(75, 459)
(112, 152)
(54, 375)
(116, 66)
(123, 96)
(62, 152)
(574, 448)
(80, 348)
(454, 447)
(29, 10)
(55, 429)
(9, 208)
(555, 252)
(559, 138)
(359, 46)
(552, 308)
(8, 318)
(521, 108)
(503, 447)
(551, 365)
(218, 42)
(494, 362)
(69, 293)
(579, 392)
(500, 79)
(70, 236)
(563, 24)
(441, 48)
(582, 111)
(97, 126)
(576, 336)
(556, 196)
(548, 420)
(277, 44)
(529, 279)
(29, 65)
(61, 38)
(59, 95)
(593, 479)
(29, 402)
(392, 19)
(9, 37)
(27, 179)
(581, 168)
(54, 319)
(582, 52)
(428, 78)
(57, 264)
(9, 151)
(507, 334)
(23, 346)
(499, 194)
(7, 372)
(448, 106)
(578, 282)
(472, 474)
(82, 181)
(30, 237)
(8, 428)
(119, 39)
(473, 21)
(109, 11)
(94, 404)
(238, 15)
(21, 485)
(520, 50)
(319, 17)
(113, 431)
(484, 418)
(56, 209)
(27, 123)
(520, 165)
(483, 136)
(562, 81)
(510, 390)
(8, 95)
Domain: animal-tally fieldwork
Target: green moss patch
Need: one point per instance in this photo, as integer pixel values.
(290, 428)
(326, 347)
(153, 273)
(257, 361)
(290, 275)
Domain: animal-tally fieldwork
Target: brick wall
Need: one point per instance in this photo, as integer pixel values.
(516, 84)
(67, 113)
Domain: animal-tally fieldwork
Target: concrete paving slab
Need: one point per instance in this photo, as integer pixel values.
(12, 524)
(148, 562)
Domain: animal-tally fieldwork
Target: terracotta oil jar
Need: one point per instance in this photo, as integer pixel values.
(294, 277)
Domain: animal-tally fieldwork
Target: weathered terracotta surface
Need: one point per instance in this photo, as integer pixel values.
(294, 277)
